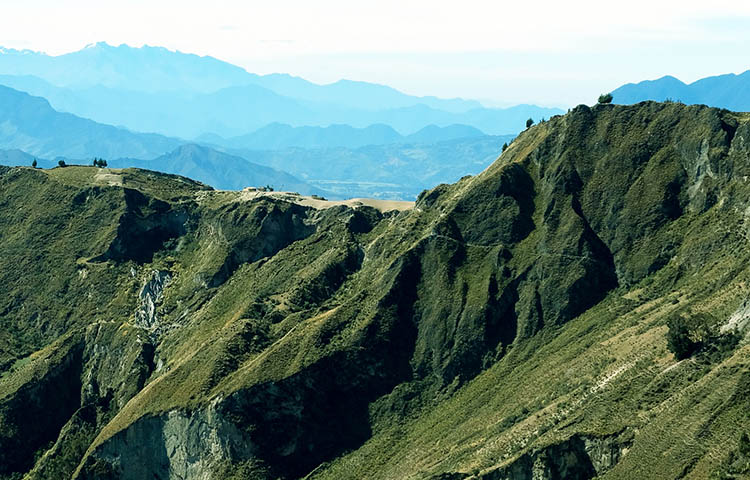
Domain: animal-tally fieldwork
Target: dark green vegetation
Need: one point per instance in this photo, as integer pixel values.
(512, 325)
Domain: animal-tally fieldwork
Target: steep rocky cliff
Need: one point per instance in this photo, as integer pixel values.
(512, 325)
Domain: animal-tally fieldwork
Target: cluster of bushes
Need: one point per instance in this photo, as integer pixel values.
(737, 464)
(98, 162)
(699, 333)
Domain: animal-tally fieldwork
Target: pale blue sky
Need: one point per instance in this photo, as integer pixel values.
(544, 52)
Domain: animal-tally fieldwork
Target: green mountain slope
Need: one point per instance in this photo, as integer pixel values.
(512, 325)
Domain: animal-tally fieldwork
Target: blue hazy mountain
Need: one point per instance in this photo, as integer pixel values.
(147, 69)
(30, 128)
(394, 171)
(277, 136)
(434, 134)
(15, 158)
(232, 110)
(157, 69)
(724, 91)
(30, 124)
(177, 94)
(220, 170)
(357, 95)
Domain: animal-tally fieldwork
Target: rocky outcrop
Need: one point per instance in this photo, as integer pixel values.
(150, 296)
(177, 445)
(255, 231)
(581, 457)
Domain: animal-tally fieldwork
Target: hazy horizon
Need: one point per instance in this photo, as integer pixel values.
(479, 50)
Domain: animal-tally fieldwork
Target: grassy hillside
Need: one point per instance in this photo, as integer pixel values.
(512, 325)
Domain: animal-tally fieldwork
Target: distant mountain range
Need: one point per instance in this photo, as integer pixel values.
(177, 94)
(395, 171)
(723, 91)
(221, 170)
(277, 136)
(334, 162)
(30, 124)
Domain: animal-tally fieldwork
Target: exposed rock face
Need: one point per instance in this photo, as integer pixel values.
(150, 297)
(578, 458)
(175, 445)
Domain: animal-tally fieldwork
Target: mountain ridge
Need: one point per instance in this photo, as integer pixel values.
(275, 136)
(721, 91)
(514, 324)
(97, 82)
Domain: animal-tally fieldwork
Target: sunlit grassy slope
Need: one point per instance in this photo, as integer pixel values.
(512, 325)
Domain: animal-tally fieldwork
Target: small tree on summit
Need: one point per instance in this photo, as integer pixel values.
(33, 164)
(96, 162)
(605, 98)
(61, 163)
(505, 146)
(529, 123)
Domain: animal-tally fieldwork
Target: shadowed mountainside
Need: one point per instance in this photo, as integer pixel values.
(511, 325)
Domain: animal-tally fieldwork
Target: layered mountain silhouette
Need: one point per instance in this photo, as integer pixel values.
(277, 136)
(221, 170)
(399, 169)
(30, 124)
(177, 94)
(31, 128)
(728, 91)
